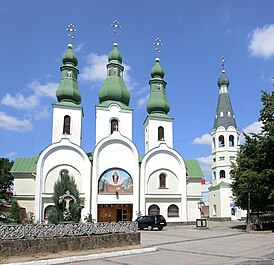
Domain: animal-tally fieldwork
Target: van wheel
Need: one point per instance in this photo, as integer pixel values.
(149, 228)
(160, 228)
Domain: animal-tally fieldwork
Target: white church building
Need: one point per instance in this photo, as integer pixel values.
(115, 182)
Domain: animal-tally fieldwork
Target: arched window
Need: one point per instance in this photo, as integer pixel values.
(66, 127)
(161, 133)
(153, 210)
(231, 140)
(214, 175)
(114, 126)
(221, 141)
(213, 142)
(162, 181)
(173, 211)
(47, 211)
(222, 174)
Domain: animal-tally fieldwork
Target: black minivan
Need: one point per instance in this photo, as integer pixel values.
(151, 221)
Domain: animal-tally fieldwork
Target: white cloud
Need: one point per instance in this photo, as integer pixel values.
(10, 155)
(20, 102)
(79, 47)
(14, 124)
(204, 139)
(205, 164)
(33, 101)
(95, 70)
(142, 101)
(261, 43)
(47, 90)
(43, 113)
(255, 127)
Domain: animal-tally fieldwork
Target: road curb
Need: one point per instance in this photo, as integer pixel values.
(87, 257)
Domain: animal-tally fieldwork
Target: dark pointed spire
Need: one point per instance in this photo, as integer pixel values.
(224, 115)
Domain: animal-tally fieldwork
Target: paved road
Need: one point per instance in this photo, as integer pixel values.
(220, 244)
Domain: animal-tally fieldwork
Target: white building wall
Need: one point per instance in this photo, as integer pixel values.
(172, 182)
(214, 203)
(151, 132)
(76, 115)
(163, 160)
(223, 156)
(104, 117)
(226, 201)
(193, 210)
(115, 151)
(62, 155)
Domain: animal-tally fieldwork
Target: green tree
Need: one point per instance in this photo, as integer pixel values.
(66, 183)
(6, 178)
(14, 213)
(254, 172)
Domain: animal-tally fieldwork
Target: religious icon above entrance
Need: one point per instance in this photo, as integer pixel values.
(115, 180)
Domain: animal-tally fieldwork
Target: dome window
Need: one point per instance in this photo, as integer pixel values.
(160, 133)
(221, 141)
(162, 180)
(114, 126)
(222, 174)
(66, 125)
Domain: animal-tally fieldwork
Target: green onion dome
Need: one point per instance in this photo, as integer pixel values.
(157, 102)
(115, 55)
(69, 57)
(68, 90)
(114, 88)
(157, 71)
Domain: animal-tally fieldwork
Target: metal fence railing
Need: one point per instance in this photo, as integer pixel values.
(62, 230)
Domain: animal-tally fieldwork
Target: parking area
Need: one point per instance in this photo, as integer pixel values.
(221, 243)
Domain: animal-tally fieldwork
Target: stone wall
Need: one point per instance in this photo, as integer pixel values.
(56, 244)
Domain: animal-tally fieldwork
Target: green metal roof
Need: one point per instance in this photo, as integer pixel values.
(105, 104)
(24, 165)
(218, 186)
(193, 169)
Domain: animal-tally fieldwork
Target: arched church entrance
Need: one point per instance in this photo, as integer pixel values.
(115, 183)
(114, 212)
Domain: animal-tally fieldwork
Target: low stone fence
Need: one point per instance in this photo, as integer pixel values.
(31, 239)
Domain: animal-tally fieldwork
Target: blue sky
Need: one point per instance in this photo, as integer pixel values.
(195, 34)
